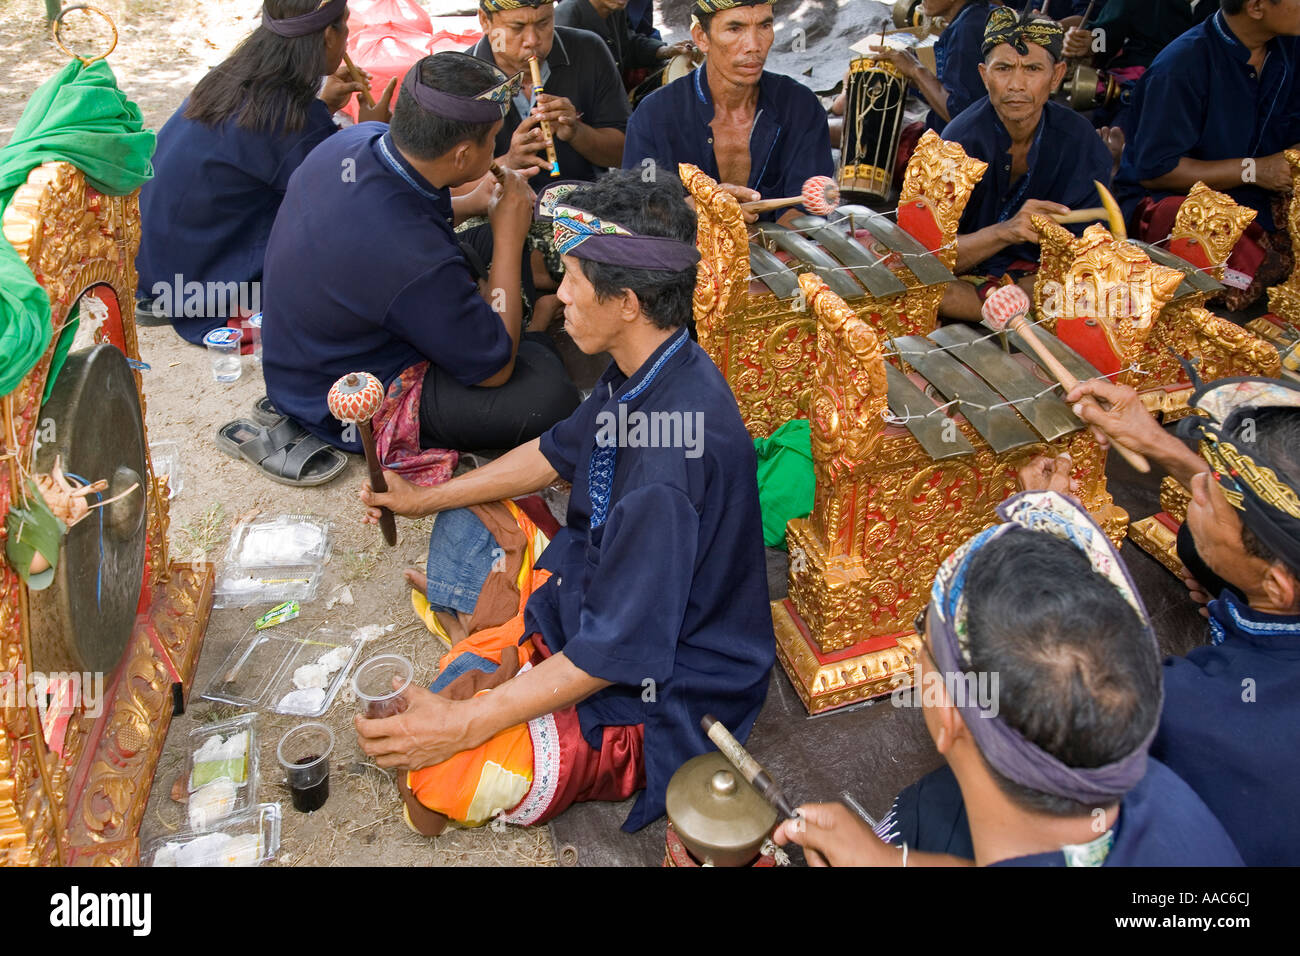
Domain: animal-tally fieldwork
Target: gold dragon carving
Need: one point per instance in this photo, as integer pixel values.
(766, 347)
(74, 239)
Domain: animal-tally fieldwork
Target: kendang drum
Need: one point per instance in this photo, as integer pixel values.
(873, 121)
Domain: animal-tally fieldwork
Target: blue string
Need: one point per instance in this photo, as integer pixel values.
(99, 571)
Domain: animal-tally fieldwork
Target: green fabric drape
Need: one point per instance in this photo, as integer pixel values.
(786, 483)
(79, 116)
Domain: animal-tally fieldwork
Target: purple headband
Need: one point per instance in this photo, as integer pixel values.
(487, 107)
(1005, 748)
(583, 235)
(314, 22)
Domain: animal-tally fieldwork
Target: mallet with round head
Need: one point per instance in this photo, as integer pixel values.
(1006, 309)
(356, 398)
(820, 196)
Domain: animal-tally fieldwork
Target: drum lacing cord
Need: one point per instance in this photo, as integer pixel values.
(893, 419)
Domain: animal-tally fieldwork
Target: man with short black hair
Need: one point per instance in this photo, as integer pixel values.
(1220, 105)
(1232, 708)
(364, 273)
(1047, 764)
(1043, 159)
(759, 134)
(649, 608)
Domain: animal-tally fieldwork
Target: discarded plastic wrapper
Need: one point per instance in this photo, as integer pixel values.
(278, 615)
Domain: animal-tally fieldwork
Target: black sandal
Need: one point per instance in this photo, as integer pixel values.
(286, 452)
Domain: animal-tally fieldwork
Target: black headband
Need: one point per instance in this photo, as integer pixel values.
(314, 22)
(486, 107)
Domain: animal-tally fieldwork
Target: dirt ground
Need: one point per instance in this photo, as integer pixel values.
(164, 48)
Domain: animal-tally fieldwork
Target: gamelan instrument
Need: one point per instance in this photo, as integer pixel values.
(356, 398)
(819, 196)
(1006, 309)
(358, 78)
(546, 124)
(875, 96)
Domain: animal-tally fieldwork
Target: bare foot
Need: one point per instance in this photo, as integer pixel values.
(416, 579)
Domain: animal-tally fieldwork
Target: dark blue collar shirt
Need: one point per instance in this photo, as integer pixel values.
(1231, 727)
(957, 60)
(206, 215)
(1161, 822)
(364, 274)
(1066, 157)
(1203, 100)
(789, 143)
(658, 578)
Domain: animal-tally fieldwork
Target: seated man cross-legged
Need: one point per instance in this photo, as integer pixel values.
(1043, 159)
(1043, 697)
(649, 609)
(364, 273)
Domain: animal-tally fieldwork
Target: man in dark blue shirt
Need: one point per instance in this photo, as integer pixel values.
(1232, 707)
(760, 134)
(402, 293)
(1220, 105)
(656, 610)
(1043, 700)
(1043, 158)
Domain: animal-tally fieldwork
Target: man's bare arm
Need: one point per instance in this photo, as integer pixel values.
(600, 147)
(518, 472)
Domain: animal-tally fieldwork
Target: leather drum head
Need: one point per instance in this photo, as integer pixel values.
(83, 621)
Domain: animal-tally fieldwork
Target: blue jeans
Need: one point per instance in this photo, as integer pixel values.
(461, 554)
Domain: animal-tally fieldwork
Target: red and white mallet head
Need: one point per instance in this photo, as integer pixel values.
(820, 195)
(355, 397)
(1004, 305)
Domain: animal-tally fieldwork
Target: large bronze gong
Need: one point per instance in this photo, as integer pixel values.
(83, 621)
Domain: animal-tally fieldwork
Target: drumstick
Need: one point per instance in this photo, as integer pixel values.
(546, 124)
(1091, 214)
(1006, 309)
(358, 78)
(820, 196)
(748, 767)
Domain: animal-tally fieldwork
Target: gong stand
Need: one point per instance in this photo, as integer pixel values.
(74, 783)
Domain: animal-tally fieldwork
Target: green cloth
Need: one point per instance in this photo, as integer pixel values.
(79, 116)
(786, 483)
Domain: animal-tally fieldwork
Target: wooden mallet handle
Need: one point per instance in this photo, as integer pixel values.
(1091, 214)
(387, 524)
(1017, 323)
(358, 78)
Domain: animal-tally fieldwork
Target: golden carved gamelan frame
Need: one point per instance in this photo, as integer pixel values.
(885, 513)
(85, 807)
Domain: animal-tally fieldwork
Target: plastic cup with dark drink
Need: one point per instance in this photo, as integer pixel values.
(381, 684)
(304, 753)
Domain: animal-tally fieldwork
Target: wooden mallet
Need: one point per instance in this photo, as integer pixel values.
(358, 78)
(820, 196)
(1006, 309)
(356, 398)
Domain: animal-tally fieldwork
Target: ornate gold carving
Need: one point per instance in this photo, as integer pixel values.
(1153, 537)
(1284, 299)
(1174, 497)
(86, 807)
(767, 348)
(1213, 222)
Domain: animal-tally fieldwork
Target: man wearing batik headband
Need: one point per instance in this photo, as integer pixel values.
(1232, 707)
(365, 273)
(1043, 159)
(760, 134)
(583, 102)
(654, 609)
(1043, 700)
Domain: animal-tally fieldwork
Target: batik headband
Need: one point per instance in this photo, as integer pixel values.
(1005, 748)
(1006, 26)
(300, 26)
(486, 107)
(1269, 506)
(716, 6)
(584, 235)
(496, 6)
